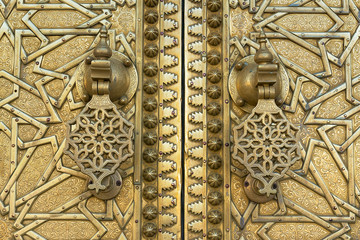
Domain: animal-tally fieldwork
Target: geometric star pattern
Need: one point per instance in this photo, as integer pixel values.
(266, 144)
(99, 140)
(39, 128)
(323, 102)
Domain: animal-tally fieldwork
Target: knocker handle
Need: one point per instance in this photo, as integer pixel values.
(99, 139)
(266, 143)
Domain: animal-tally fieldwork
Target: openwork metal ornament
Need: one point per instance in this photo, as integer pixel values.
(99, 139)
(266, 143)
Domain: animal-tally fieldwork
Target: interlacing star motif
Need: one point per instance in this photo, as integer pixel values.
(99, 140)
(266, 144)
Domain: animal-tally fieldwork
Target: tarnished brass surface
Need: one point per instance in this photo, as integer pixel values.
(100, 139)
(317, 43)
(252, 189)
(243, 81)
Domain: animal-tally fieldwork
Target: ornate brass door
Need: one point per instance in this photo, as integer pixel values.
(194, 119)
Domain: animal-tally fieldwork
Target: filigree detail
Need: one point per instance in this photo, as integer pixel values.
(266, 144)
(99, 139)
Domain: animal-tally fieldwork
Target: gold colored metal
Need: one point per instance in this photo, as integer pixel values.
(113, 185)
(252, 188)
(46, 53)
(266, 143)
(123, 75)
(99, 139)
(306, 201)
(243, 84)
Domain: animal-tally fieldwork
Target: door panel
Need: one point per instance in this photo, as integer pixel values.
(317, 197)
(44, 193)
(190, 75)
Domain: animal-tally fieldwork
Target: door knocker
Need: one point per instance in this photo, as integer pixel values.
(266, 143)
(100, 138)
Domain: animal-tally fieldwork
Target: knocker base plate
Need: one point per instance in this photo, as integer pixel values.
(114, 185)
(252, 186)
(243, 80)
(123, 83)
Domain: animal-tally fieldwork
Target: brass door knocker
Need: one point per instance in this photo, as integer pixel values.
(266, 143)
(100, 138)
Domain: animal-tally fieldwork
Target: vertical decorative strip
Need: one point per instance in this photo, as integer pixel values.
(138, 121)
(215, 121)
(152, 107)
(204, 97)
(195, 133)
(226, 119)
(169, 162)
(205, 138)
(170, 128)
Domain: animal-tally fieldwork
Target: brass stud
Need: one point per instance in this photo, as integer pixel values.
(151, 33)
(151, 3)
(214, 125)
(123, 100)
(240, 102)
(214, 92)
(150, 104)
(214, 76)
(215, 198)
(150, 86)
(150, 69)
(150, 155)
(150, 192)
(213, 108)
(240, 66)
(151, 16)
(213, 57)
(150, 121)
(214, 216)
(214, 21)
(214, 38)
(215, 180)
(214, 162)
(214, 5)
(127, 63)
(150, 138)
(149, 212)
(149, 229)
(149, 174)
(215, 234)
(151, 50)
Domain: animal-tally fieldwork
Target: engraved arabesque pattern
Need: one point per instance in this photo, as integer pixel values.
(317, 42)
(43, 194)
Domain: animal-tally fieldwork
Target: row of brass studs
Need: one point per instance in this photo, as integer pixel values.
(150, 86)
(214, 123)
